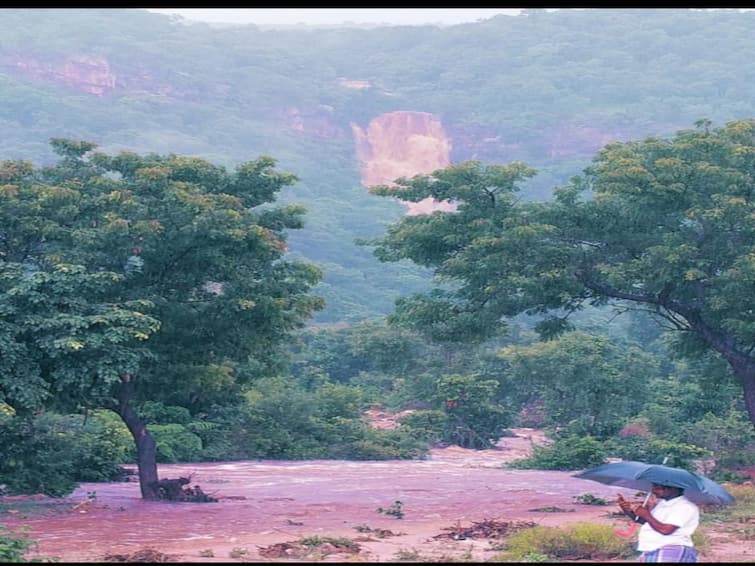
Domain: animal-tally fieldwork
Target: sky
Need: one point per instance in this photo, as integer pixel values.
(327, 16)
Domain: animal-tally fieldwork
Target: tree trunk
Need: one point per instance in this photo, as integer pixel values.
(146, 449)
(742, 363)
(746, 373)
(748, 382)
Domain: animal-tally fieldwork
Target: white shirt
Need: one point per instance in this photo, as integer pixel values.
(678, 511)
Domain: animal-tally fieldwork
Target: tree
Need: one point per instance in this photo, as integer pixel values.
(580, 380)
(663, 225)
(128, 278)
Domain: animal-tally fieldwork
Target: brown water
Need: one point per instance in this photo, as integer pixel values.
(266, 502)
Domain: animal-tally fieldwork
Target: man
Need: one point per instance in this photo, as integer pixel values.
(666, 531)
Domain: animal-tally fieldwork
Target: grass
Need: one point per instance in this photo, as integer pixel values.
(742, 511)
(737, 519)
(577, 541)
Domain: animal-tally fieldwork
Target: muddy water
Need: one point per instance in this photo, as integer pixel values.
(265, 502)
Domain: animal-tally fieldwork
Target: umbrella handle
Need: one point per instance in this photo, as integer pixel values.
(647, 497)
(644, 504)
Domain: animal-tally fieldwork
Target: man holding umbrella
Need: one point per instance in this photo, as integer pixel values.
(666, 531)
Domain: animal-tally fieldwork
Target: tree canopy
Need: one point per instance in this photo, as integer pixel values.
(665, 225)
(127, 278)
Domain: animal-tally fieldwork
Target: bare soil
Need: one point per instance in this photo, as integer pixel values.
(456, 505)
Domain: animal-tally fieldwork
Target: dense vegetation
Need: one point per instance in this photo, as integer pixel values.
(161, 293)
(549, 88)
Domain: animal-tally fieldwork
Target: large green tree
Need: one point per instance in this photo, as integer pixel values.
(126, 278)
(664, 225)
(580, 381)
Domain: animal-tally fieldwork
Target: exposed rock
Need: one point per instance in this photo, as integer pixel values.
(92, 74)
(88, 73)
(403, 144)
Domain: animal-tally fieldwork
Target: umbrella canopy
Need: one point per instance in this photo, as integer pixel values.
(641, 476)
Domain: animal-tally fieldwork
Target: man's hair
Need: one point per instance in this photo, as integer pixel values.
(680, 489)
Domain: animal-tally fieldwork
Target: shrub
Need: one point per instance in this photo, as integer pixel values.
(653, 450)
(730, 438)
(379, 444)
(567, 453)
(429, 426)
(580, 541)
(475, 420)
(14, 544)
(104, 443)
(176, 443)
(39, 456)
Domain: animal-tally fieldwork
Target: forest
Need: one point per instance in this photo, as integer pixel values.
(185, 278)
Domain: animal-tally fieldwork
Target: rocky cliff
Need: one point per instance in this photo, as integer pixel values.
(92, 74)
(393, 145)
(87, 73)
(403, 144)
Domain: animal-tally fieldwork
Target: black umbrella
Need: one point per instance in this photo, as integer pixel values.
(641, 476)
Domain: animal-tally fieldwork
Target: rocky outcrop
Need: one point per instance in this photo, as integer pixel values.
(88, 73)
(403, 144)
(92, 74)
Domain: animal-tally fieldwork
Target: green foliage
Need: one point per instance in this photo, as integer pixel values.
(51, 453)
(318, 540)
(655, 449)
(580, 381)
(589, 499)
(83, 324)
(395, 510)
(284, 420)
(579, 541)
(102, 445)
(572, 79)
(565, 453)
(175, 443)
(378, 444)
(730, 437)
(14, 544)
(649, 224)
(430, 425)
(473, 418)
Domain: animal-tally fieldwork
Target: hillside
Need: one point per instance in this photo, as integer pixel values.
(345, 108)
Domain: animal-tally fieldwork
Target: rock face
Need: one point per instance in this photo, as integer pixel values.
(88, 73)
(403, 144)
(92, 74)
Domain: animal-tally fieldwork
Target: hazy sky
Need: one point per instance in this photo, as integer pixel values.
(319, 16)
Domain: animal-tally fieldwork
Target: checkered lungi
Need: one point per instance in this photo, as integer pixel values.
(670, 553)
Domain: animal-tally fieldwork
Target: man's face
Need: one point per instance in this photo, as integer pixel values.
(665, 492)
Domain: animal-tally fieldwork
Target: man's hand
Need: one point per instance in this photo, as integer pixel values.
(642, 512)
(625, 506)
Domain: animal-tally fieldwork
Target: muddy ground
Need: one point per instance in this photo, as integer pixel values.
(264, 507)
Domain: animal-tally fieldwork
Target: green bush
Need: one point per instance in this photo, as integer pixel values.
(653, 450)
(51, 453)
(580, 541)
(14, 544)
(730, 438)
(474, 419)
(379, 444)
(567, 453)
(429, 426)
(176, 443)
(103, 444)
